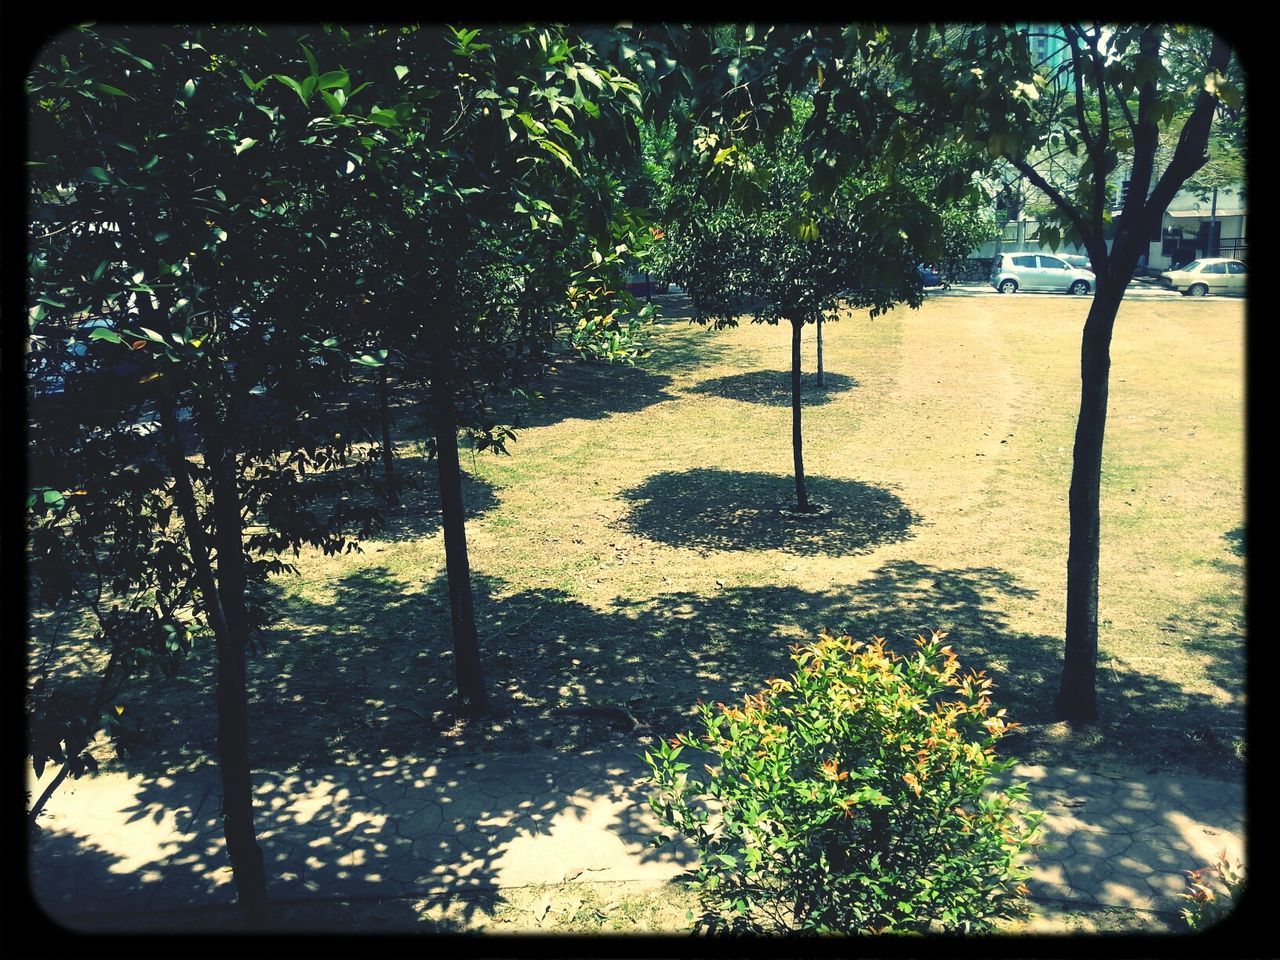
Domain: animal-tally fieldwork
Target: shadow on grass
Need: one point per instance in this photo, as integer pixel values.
(739, 510)
(1145, 719)
(773, 388)
(584, 390)
(359, 489)
(1235, 541)
(364, 677)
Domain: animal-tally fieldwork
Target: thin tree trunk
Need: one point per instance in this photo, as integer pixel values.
(802, 496)
(1077, 696)
(466, 645)
(822, 380)
(82, 741)
(232, 701)
(228, 523)
(384, 416)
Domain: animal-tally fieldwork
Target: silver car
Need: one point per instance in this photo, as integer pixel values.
(1207, 275)
(1011, 272)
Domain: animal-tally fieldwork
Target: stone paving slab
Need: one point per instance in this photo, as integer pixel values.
(116, 843)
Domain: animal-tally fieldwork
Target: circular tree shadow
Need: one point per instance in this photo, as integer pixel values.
(741, 510)
(773, 387)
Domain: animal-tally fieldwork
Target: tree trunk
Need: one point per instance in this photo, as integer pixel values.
(1077, 697)
(230, 641)
(802, 497)
(466, 646)
(822, 380)
(80, 742)
(220, 457)
(384, 416)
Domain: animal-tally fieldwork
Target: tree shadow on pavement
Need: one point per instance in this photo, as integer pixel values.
(773, 388)
(392, 832)
(716, 509)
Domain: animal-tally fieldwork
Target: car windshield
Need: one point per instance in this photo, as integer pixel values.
(1192, 267)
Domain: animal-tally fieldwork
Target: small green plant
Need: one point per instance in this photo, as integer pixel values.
(1211, 892)
(858, 795)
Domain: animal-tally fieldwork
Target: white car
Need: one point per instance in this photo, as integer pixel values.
(1209, 275)
(1011, 272)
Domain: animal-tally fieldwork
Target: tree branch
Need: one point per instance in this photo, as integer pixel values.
(1124, 108)
(1058, 199)
(1189, 156)
(1077, 77)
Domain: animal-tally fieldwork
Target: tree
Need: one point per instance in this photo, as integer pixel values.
(154, 215)
(487, 212)
(776, 250)
(1122, 92)
(886, 90)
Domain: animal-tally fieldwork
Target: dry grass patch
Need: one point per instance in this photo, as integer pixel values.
(631, 553)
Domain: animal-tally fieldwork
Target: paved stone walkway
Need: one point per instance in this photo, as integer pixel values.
(114, 843)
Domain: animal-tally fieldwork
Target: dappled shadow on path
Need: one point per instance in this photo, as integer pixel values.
(741, 510)
(773, 387)
(396, 829)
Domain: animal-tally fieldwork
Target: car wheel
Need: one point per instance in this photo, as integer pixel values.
(1197, 290)
(1079, 288)
(1008, 286)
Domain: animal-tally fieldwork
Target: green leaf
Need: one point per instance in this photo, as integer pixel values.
(102, 333)
(401, 72)
(244, 145)
(292, 84)
(333, 79)
(113, 91)
(96, 173)
(560, 153)
(189, 89)
(146, 63)
(311, 60)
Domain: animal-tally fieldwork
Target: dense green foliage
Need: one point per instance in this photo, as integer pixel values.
(857, 795)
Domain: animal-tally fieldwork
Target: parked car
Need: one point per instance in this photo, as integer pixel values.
(1011, 272)
(929, 276)
(1209, 275)
(58, 357)
(1077, 260)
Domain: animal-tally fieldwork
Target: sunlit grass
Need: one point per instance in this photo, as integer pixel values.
(629, 553)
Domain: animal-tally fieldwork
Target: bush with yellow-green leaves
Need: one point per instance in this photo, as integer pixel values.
(861, 794)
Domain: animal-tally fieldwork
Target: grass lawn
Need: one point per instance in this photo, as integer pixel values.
(630, 552)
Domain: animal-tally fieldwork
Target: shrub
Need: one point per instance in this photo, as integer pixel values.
(859, 795)
(1211, 892)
